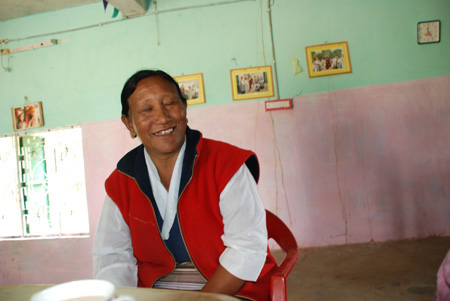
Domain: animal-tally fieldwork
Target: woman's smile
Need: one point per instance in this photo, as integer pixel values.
(165, 132)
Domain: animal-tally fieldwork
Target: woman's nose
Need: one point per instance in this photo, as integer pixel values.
(162, 114)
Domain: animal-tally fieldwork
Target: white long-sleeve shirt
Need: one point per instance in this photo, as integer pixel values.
(245, 232)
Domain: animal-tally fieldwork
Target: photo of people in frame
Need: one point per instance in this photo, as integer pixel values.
(27, 116)
(252, 82)
(328, 59)
(191, 87)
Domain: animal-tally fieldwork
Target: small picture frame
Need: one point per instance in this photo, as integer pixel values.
(27, 116)
(328, 59)
(192, 88)
(254, 82)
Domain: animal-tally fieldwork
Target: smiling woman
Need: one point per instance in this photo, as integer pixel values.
(181, 211)
(157, 115)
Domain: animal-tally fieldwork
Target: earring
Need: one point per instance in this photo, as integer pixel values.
(132, 135)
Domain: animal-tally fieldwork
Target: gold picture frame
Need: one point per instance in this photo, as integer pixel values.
(192, 88)
(328, 59)
(27, 116)
(254, 82)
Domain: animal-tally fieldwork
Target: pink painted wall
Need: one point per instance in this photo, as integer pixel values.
(346, 166)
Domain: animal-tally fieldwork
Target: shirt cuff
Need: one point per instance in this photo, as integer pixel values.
(243, 265)
(120, 274)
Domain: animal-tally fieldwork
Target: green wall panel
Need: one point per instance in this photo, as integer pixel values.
(80, 80)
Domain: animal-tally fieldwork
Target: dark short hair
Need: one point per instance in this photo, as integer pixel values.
(133, 81)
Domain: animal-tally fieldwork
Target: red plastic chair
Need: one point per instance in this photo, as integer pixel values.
(278, 231)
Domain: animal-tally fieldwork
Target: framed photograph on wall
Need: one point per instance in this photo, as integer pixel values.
(192, 88)
(328, 59)
(255, 82)
(27, 116)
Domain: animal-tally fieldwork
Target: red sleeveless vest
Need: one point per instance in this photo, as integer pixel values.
(199, 216)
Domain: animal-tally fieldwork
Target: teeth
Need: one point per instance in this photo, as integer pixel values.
(164, 132)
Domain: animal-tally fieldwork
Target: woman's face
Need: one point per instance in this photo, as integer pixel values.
(157, 116)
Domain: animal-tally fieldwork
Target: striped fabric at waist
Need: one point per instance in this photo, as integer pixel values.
(184, 277)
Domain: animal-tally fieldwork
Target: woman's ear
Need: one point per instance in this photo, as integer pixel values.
(129, 124)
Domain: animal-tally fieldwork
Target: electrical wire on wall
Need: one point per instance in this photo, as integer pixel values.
(156, 13)
(274, 62)
(156, 22)
(277, 153)
(128, 18)
(3, 52)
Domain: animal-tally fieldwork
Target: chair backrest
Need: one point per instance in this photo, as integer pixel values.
(278, 231)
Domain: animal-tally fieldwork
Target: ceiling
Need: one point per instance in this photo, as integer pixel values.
(11, 9)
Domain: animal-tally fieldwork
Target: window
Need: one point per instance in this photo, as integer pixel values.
(42, 185)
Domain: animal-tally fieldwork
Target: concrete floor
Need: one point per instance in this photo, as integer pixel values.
(396, 270)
